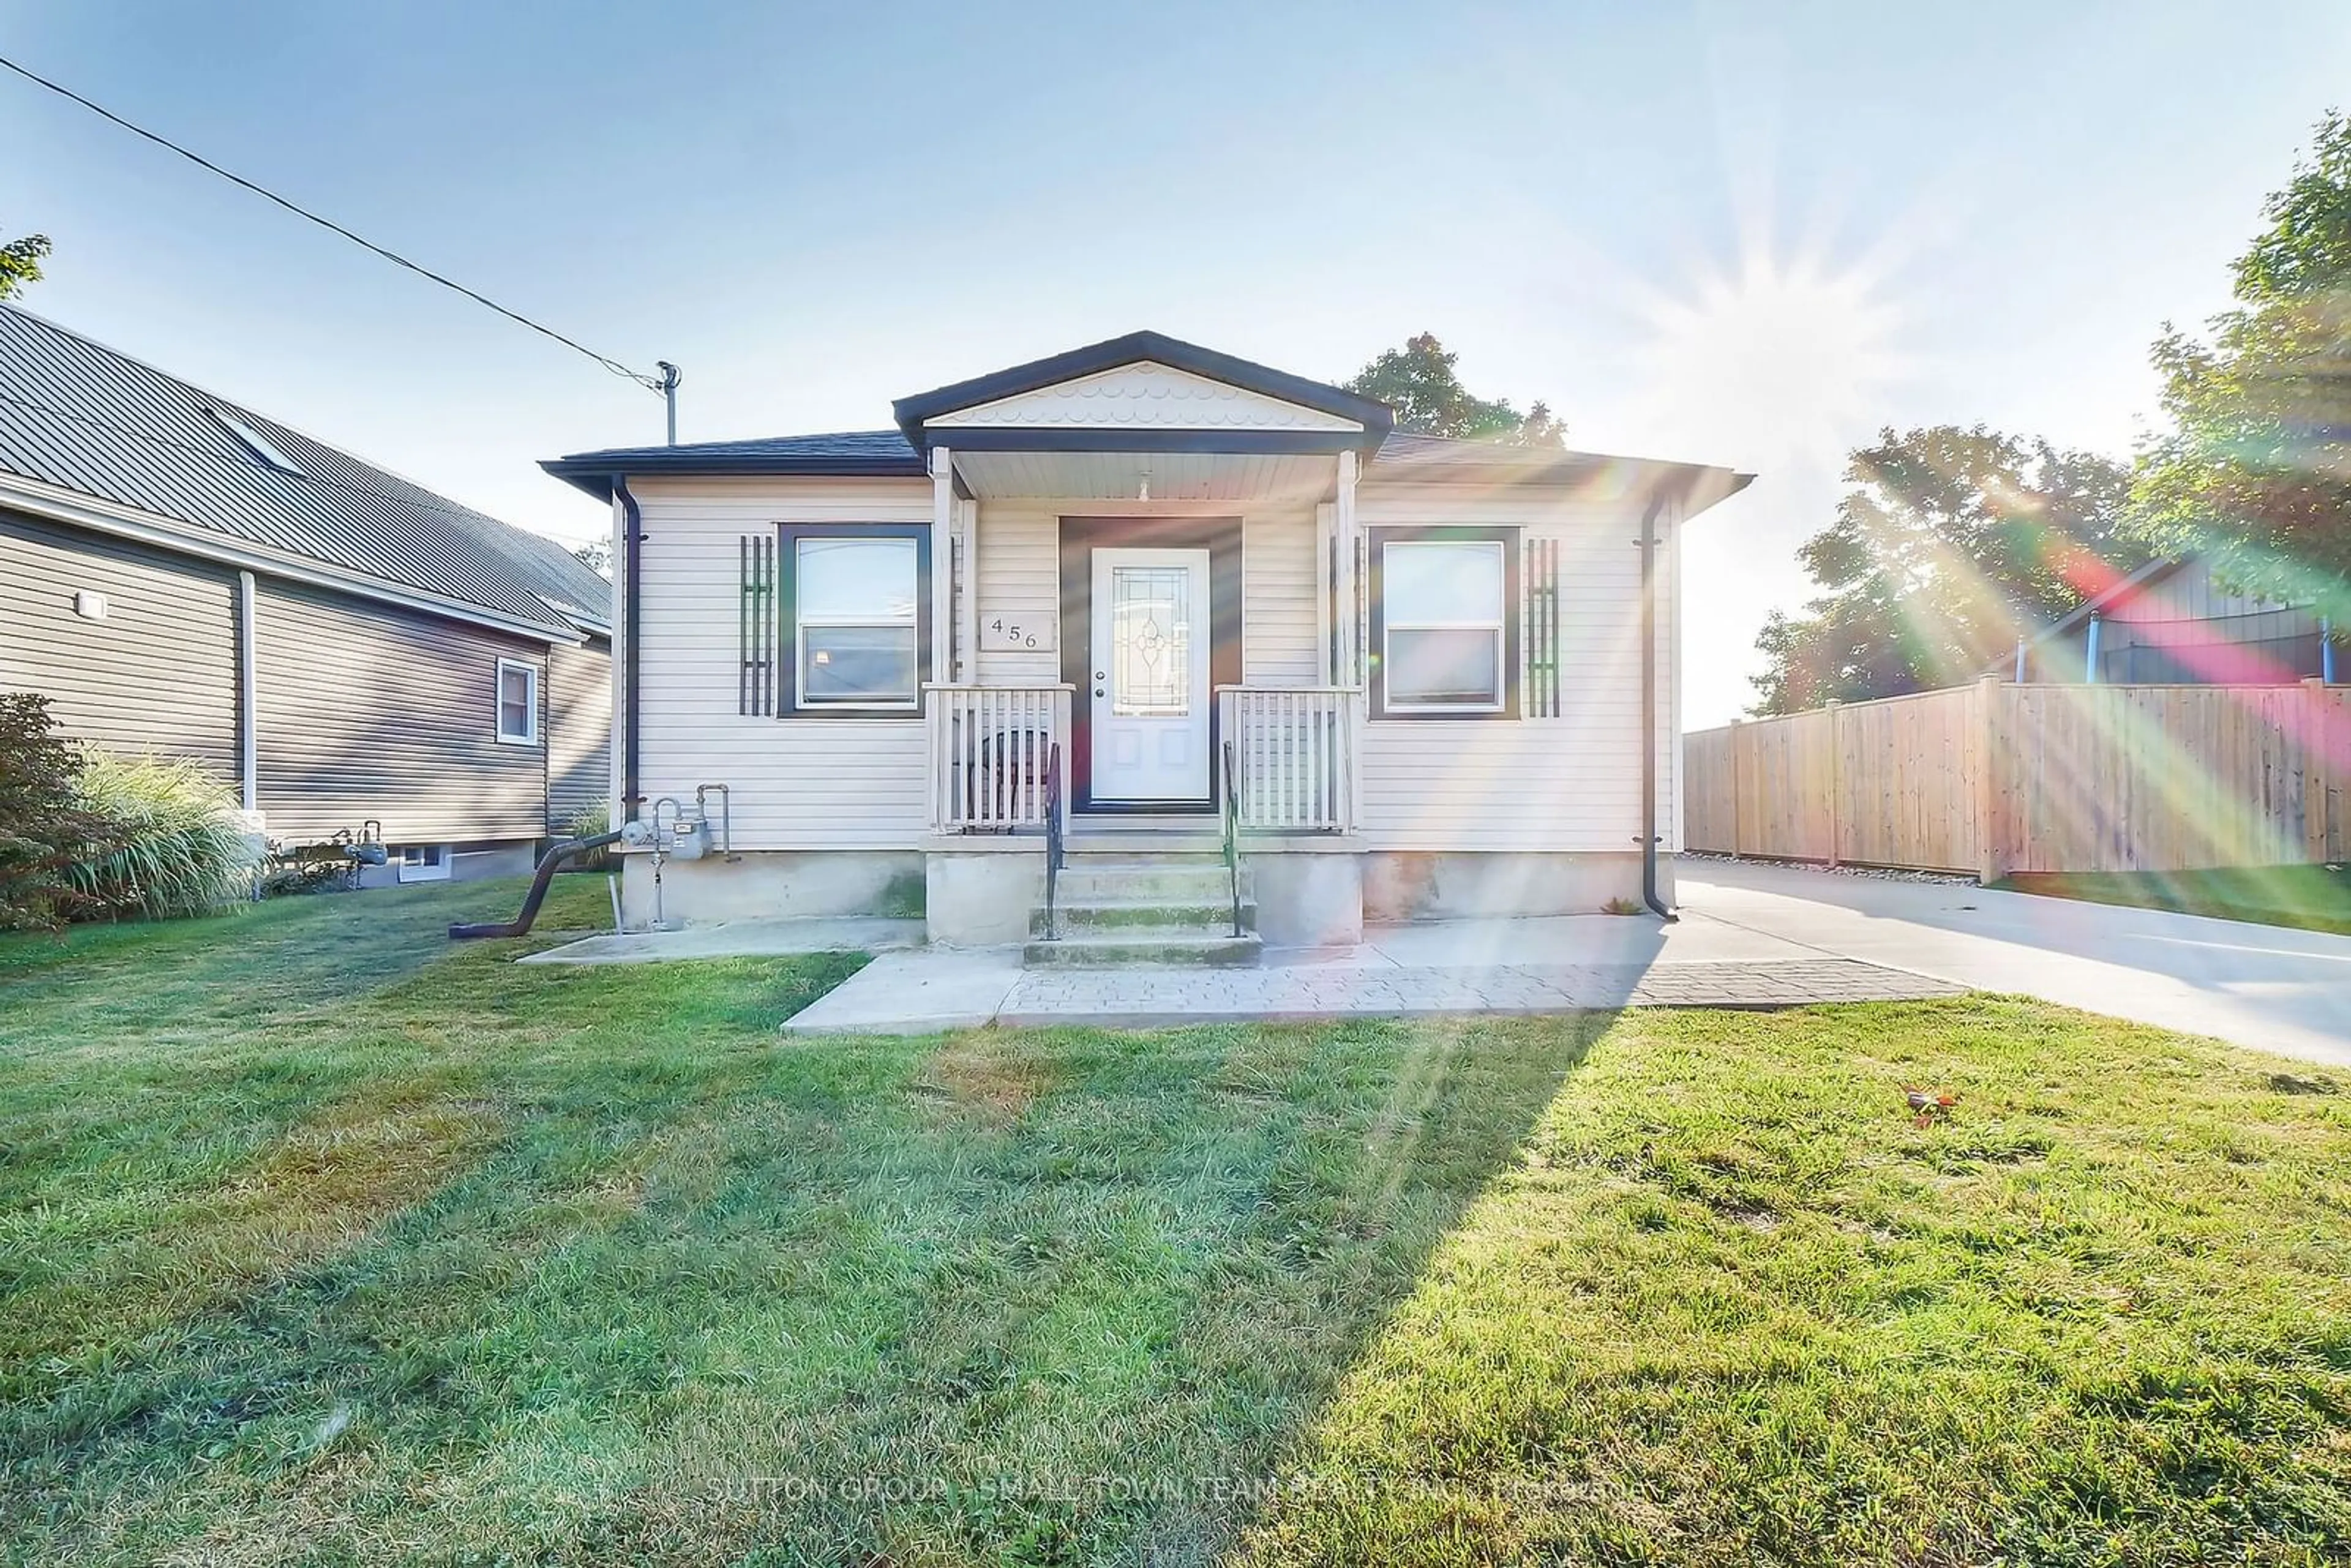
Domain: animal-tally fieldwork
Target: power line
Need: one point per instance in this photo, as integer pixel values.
(650, 384)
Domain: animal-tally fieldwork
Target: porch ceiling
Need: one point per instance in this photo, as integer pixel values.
(1172, 475)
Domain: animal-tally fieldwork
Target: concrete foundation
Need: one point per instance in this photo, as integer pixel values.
(773, 886)
(479, 864)
(982, 898)
(497, 860)
(1308, 899)
(1465, 885)
(980, 893)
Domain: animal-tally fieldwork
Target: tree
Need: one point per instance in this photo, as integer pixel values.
(20, 263)
(1418, 381)
(596, 555)
(1952, 544)
(2256, 469)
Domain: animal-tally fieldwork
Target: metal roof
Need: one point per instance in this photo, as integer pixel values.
(79, 416)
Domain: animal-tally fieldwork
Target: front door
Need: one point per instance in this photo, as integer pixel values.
(1151, 643)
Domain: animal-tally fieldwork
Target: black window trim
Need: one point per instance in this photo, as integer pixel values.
(788, 631)
(1508, 536)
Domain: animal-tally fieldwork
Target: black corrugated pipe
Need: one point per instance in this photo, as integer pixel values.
(633, 538)
(1649, 710)
(520, 924)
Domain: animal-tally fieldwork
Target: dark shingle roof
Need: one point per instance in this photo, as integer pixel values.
(884, 453)
(846, 454)
(1440, 458)
(79, 416)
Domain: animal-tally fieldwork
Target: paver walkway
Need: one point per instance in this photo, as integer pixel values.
(1569, 964)
(1151, 997)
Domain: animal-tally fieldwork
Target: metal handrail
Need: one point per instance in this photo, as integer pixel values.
(1232, 815)
(1054, 845)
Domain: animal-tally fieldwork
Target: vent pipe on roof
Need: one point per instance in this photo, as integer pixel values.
(671, 376)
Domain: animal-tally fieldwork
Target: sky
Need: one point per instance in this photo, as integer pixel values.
(1741, 233)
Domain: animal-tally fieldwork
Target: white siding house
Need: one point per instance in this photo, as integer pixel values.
(1150, 615)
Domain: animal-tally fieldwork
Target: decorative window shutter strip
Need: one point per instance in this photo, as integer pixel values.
(1540, 628)
(755, 627)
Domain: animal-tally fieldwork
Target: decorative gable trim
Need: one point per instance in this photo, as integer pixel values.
(1146, 391)
(1145, 395)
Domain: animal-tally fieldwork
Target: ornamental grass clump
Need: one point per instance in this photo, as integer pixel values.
(165, 839)
(588, 821)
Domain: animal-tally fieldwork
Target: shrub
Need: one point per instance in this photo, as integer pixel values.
(168, 841)
(41, 823)
(282, 877)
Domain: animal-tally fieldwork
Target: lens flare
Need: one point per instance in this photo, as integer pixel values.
(1780, 363)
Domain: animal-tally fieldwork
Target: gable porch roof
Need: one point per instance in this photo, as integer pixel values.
(1347, 421)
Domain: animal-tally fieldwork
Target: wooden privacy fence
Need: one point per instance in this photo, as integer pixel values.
(1993, 778)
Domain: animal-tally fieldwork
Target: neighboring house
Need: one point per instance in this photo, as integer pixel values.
(349, 651)
(2174, 622)
(1422, 657)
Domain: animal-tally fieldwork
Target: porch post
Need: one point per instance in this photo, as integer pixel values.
(1351, 670)
(967, 584)
(943, 630)
(1326, 589)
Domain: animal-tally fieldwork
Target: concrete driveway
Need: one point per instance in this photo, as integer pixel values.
(2268, 987)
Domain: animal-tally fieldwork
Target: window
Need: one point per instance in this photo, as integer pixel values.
(518, 702)
(1443, 632)
(420, 863)
(856, 611)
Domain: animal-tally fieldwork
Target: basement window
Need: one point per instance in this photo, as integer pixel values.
(260, 445)
(518, 702)
(420, 863)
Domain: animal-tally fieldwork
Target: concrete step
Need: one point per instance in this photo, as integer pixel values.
(1212, 917)
(1147, 945)
(1204, 839)
(1080, 883)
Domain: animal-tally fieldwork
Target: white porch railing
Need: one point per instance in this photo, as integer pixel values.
(1293, 755)
(990, 748)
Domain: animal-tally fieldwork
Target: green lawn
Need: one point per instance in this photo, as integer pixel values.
(321, 1241)
(2314, 897)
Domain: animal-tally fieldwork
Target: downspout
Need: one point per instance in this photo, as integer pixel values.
(1649, 710)
(631, 595)
(248, 706)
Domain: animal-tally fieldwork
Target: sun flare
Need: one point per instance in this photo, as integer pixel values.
(1779, 363)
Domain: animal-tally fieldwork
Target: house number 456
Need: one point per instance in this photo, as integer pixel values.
(1006, 634)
